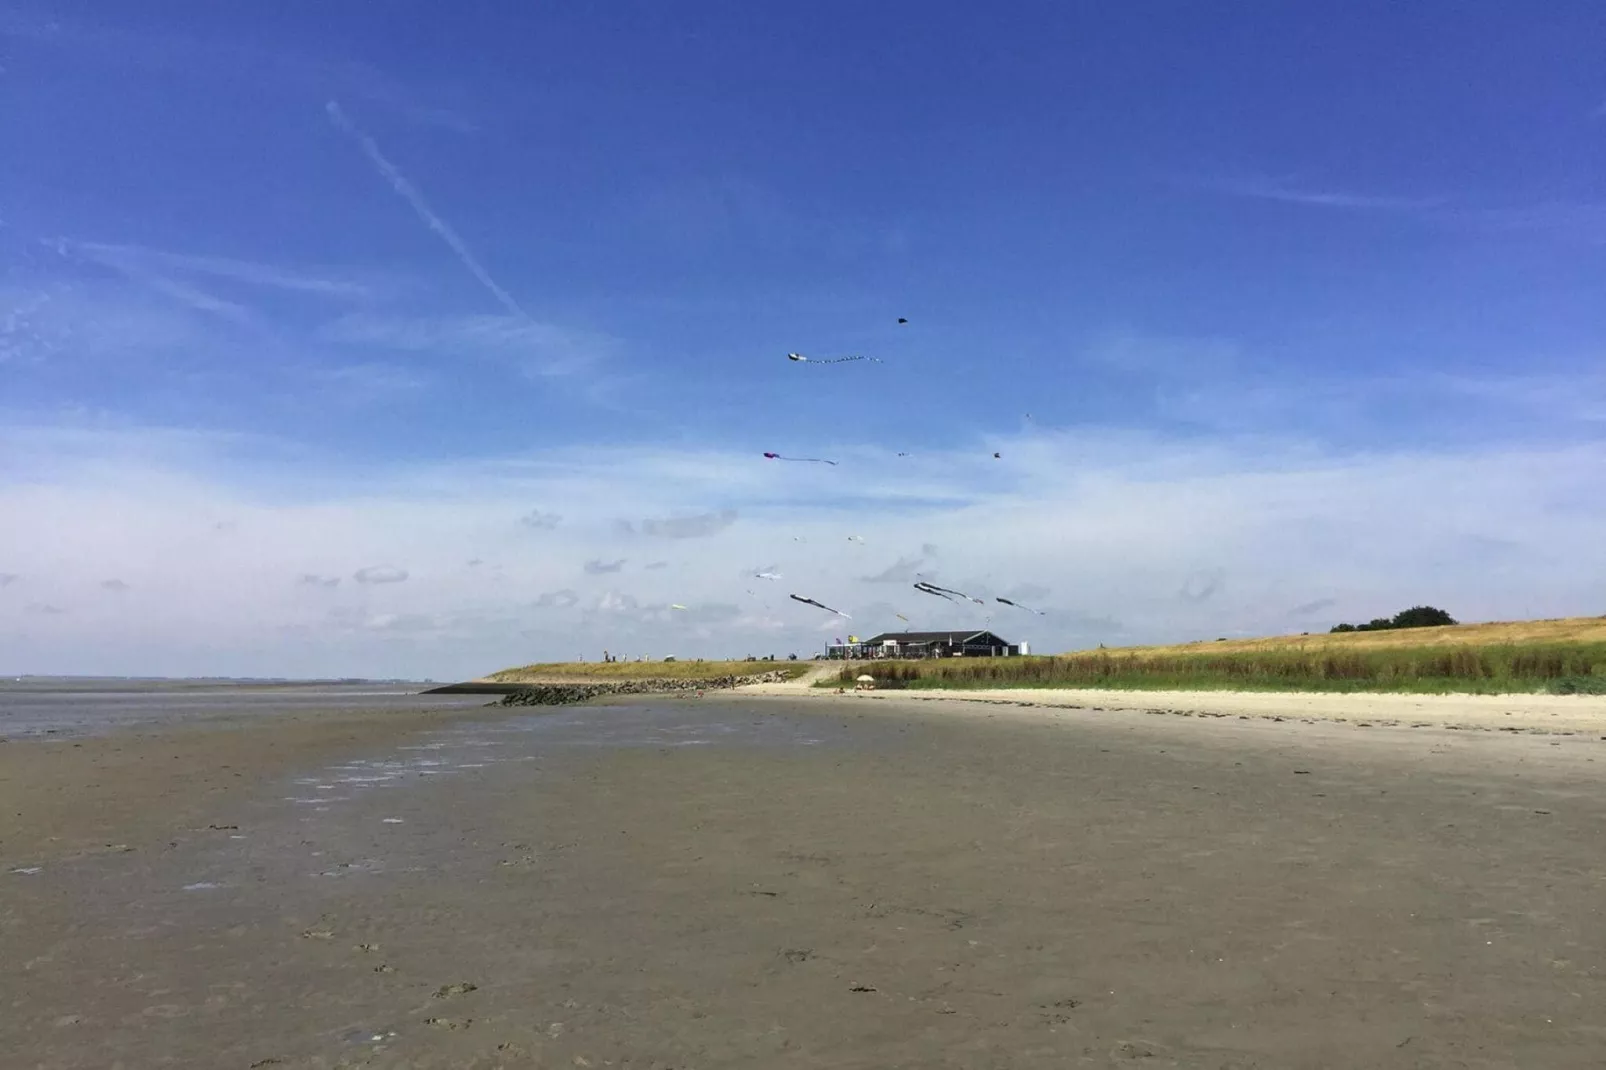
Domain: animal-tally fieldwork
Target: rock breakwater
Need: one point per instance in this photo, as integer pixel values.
(574, 694)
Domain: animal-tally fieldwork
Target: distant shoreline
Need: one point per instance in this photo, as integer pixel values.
(17, 683)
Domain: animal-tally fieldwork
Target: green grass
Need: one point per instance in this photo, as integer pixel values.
(1558, 668)
(600, 671)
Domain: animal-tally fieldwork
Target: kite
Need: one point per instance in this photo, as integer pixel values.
(805, 460)
(1017, 605)
(820, 605)
(801, 359)
(766, 575)
(945, 592)
(901, 617)
(856, 538)
(998, 456)
(902, 320)
(676, 605)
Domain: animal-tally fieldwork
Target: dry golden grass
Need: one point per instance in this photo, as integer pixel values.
(580, 672)
(1558, 656)
(1563, 630)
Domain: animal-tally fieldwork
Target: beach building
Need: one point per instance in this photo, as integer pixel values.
(972, 644)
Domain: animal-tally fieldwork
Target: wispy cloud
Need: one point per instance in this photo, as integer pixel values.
(1310, 608)
(543, 349)
(43, 609)
(1287, 192)
(159, 280)
(140, 262)
(689, 527)
(312, 579)
(224, 59)
(8, 578)
(116, 586)
(1027, 592)
(380, 574)
(724, 209)
(1576, 396)
(1142, 352)
(598, 567)
(20, 336)
(540, 521)
(1567, 220)
(45, 322)
(410, 193)
(904, 570)
(357, 619)
(1202, 585)
(368, 381)
(1577, 221)
(1125, 523)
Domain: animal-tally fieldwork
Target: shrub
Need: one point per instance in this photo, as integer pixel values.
(1422, 617)
(1415, 617)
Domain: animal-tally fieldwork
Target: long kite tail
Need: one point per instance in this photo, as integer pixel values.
(944, 592)
(1017, 605)
(804, 460)
(818, 605)
(801, 359)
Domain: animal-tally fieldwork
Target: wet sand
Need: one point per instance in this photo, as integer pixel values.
(747, 881)
(140, 785)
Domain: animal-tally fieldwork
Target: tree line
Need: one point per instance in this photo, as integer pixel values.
(1415, 617)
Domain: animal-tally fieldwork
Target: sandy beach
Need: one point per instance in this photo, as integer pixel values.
(1559, 714)
(750, 880)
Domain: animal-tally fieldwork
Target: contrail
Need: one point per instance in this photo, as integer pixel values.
(410, 194)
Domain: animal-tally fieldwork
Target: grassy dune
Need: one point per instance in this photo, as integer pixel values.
(1559, 656)
(590, 672)
(1565, 631)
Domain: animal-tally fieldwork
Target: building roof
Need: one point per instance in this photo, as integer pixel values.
(951, 638)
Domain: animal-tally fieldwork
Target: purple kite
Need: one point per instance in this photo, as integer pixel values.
(801, 460)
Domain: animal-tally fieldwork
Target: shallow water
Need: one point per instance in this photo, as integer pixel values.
(88, 707)
(384, 817)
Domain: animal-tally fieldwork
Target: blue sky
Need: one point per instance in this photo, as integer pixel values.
(295, 292)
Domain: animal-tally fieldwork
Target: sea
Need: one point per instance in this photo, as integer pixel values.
(32, 706)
